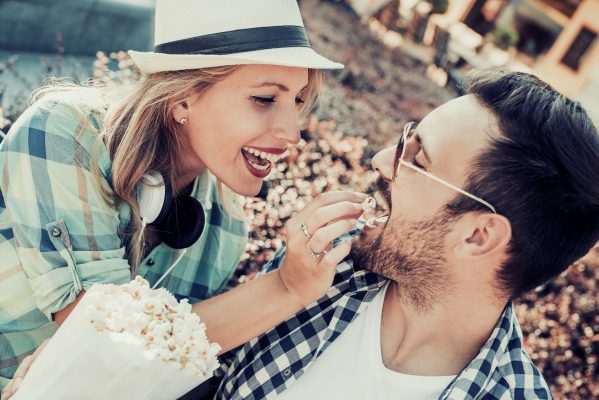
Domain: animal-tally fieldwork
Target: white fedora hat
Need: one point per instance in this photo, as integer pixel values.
(192, 34)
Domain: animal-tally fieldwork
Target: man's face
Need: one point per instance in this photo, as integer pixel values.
(414, 246)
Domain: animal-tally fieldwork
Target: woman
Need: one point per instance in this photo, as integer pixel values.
(95, 190)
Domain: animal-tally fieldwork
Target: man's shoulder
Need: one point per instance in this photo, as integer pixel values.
(515, 377)
(517, 374)
(503, 369)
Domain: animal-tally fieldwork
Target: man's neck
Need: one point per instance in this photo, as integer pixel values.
(439, 342)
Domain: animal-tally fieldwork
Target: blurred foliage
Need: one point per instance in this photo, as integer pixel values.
(505, 37)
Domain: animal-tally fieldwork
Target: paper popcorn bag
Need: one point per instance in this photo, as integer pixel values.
(123, 342)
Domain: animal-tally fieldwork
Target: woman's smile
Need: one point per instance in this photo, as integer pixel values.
(259, 161)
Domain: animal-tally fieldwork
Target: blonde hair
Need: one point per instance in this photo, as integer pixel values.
(141, 136)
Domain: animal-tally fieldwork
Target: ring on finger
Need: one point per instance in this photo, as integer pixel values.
(304, 228)
(314, 253)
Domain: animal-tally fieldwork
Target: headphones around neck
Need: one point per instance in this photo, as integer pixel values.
(178, 220)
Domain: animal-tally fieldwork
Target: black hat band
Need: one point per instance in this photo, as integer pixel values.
(238, 41)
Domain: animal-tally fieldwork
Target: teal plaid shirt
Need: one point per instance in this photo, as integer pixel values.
(58, 236)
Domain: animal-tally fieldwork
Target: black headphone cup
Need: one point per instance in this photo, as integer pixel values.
(183, 224)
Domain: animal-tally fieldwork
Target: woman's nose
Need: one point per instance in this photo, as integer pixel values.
(288, 126)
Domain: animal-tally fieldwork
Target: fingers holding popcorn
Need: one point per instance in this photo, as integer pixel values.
(332, 213)
(325, 199)
(321, 240)
(310, 261)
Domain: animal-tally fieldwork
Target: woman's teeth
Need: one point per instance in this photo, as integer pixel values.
(259, 167)
(266, 156)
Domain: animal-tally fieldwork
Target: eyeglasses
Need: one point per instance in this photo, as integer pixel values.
(400, 152)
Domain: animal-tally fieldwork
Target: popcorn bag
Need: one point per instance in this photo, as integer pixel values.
(123, 342)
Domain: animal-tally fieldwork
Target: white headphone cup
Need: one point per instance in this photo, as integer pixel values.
(150, 196)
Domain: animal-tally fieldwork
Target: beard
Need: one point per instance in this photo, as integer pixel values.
(410, 254)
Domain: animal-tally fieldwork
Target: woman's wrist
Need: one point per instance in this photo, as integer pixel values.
(291, 291)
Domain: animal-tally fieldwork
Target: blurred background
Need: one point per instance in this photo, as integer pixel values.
(403, 58)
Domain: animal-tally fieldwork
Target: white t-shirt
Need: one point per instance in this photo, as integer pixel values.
(352, 368)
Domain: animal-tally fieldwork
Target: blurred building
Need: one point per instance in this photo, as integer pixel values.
(41, 38)
(571, 64)
(75, 27)
(367, 8)
(555, 39)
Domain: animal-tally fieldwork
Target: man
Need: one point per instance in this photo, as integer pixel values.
(491, 195)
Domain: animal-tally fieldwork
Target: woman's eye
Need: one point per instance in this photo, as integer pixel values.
(299, 101)
(263, 101)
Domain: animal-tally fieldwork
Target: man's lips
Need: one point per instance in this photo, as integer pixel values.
(376, 222)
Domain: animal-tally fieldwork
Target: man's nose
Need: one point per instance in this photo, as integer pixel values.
(382, 162)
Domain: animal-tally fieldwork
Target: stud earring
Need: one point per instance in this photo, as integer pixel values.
(183, 121)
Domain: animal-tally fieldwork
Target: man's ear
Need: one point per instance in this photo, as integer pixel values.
(483, 235)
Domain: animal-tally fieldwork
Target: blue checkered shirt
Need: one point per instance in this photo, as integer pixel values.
(59, 237)
(270, 363)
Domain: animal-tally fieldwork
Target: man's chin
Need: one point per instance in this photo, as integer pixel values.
(366, 238)
(363, 246)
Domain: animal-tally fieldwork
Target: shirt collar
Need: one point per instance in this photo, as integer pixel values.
(505, 337)
(203, 187)
(358, 279)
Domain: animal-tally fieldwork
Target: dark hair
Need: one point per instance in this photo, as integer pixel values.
(541, 171)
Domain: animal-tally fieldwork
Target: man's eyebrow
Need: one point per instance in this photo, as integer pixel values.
(422, 146)
(279, 85)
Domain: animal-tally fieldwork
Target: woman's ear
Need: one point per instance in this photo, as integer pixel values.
(483, 235)
(180, 112)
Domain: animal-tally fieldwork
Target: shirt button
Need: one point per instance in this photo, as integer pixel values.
(150, 262)
(287, 373)
(56, 232)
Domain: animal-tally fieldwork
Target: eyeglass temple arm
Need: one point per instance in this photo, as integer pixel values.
(407, 164)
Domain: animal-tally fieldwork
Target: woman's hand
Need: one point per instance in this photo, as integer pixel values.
(249, 310)
(310, 261)
(20, 373)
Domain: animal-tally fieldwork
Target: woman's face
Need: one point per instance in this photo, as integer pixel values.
(240, 127)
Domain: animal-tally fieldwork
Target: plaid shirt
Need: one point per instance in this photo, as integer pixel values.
(58, 236)
(270, 363)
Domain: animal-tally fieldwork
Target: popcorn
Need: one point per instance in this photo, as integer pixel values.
(167, 330)
(369, 204)
(123, 342)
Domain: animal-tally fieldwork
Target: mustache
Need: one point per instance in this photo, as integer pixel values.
(383, 186)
